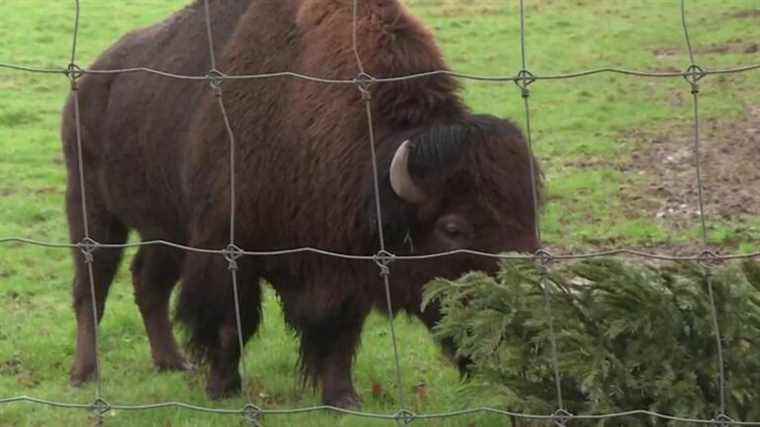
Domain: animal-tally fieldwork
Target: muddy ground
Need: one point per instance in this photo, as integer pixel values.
(730, 163)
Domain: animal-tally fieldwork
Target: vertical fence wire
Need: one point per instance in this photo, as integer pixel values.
(544, 258)
(696, 73)
(209, 35)
(709, 257)
(75, 33)
(232, 252)
(87, 245)
(383, 258)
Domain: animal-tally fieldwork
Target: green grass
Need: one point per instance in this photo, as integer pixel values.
(580, 130)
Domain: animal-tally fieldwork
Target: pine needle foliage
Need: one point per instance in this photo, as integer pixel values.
(628, 337)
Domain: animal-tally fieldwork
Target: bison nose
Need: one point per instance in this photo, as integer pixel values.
(463, 362)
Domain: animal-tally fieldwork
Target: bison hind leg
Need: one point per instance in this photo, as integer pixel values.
(98, 276)
(155, 271)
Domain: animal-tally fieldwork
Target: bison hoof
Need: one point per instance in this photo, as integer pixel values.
(348, 401)
(81, 376)
(223, 388)
(179, 364)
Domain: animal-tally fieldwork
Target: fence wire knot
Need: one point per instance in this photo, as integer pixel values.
(544, 258)
(363, 82)
(561, 417)
(232, 253)
(722, 420)
(693, 75)
(252, 414)
(73, 72)
(404, 417)
(215, 78)
(100, 407)
(88, 246)
(523, 80)
(708, 259)
(383, 259)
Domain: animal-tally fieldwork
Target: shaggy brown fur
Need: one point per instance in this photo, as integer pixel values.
(156, 161)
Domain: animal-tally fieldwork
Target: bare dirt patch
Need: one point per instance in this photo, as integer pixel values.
(750, 13)
(736, 46)
(730, 159)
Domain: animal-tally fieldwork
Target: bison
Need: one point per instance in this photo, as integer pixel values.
(156, 160)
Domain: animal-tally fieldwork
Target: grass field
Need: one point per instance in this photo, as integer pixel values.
(615, 149)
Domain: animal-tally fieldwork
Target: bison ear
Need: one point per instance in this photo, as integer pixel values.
(438, 153)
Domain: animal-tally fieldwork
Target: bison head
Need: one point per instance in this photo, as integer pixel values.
(464, 185)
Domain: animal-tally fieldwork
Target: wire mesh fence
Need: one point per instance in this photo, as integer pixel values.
(364, 83)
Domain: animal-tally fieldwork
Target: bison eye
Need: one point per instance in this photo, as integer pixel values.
(454, 231)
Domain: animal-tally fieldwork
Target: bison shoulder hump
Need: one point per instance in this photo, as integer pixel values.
(312, 13)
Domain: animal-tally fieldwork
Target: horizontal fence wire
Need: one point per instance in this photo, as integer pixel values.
(617, 252)
(375, 79)
(369, 415)
(707, 258)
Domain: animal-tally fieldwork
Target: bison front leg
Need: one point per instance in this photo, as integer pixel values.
(328, 347)
(224, 376)
(206, 307)
(430, 317)
(224, 358)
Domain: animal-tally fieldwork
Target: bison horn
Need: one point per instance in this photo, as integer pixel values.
(401, 180)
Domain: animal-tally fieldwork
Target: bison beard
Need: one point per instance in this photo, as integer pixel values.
(156, 161)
